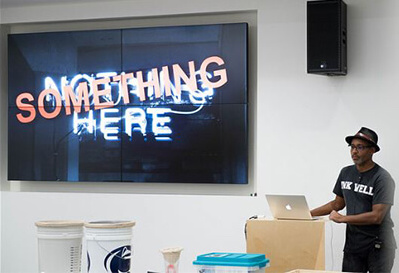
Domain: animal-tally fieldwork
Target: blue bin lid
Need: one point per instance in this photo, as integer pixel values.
(232, 259)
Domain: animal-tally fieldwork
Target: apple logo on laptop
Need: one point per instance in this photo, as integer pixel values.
(288, 207)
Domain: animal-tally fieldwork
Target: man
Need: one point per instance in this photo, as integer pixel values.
(367, 192)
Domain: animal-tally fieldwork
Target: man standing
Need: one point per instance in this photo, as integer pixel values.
(367, 192)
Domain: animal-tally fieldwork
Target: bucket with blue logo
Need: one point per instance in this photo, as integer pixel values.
(109, 246)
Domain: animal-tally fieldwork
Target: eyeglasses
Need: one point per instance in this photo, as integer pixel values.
(359, 147)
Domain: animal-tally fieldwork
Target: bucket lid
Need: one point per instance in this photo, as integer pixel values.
(110, 224)
(59, 223)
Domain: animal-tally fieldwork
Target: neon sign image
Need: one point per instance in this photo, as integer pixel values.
(165, 104)
(149, 95)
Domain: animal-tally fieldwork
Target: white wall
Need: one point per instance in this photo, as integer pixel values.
(1, 126)
(3, 106)
(300, 122)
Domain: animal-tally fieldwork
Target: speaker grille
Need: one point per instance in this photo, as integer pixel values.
(326, 37)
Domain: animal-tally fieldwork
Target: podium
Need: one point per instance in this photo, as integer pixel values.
(289, 244)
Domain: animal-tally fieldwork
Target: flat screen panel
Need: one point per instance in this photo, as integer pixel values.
(164, 104)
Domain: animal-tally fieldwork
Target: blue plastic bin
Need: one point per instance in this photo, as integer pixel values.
(218, 262)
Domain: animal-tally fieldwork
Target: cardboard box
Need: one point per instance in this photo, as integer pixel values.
(289, 244)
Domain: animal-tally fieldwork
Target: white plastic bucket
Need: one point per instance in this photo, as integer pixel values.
(59, 246)
(109, 246)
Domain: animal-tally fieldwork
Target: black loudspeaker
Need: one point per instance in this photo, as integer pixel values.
(326, 37)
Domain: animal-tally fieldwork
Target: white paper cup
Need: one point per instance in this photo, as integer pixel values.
(171, 257)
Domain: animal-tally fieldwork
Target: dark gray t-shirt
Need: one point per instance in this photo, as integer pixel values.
(361, 191)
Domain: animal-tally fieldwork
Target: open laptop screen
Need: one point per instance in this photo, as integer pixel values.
(289, 207)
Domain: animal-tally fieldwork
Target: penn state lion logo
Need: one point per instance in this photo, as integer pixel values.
(118, 260)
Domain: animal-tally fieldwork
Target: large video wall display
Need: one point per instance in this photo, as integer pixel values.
(163, 104)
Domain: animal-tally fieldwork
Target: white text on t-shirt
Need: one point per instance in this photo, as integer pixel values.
(346, 185)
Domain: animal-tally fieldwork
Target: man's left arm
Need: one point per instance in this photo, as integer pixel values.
(373, 217)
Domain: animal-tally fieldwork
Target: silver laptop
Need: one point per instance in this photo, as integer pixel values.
(289, 207)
